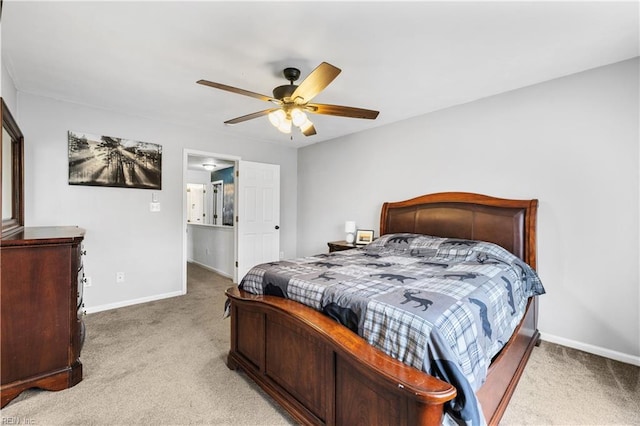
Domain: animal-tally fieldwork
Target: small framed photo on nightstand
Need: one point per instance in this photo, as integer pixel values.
(364, 236)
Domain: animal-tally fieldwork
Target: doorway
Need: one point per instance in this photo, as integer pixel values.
(251, 239)
(209, 199)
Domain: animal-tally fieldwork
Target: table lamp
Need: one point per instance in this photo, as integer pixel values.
(350, 229)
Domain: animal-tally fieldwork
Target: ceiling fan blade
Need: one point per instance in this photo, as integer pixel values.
(309, 131)
(342, 111)
(315, 82)
(239, 91)
(250, 116)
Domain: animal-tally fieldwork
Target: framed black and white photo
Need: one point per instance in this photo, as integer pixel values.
(110, 161)
(364, 236)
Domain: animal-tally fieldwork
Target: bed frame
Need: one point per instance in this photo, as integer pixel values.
(324, 374)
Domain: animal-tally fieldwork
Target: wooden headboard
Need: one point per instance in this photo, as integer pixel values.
(508, 223)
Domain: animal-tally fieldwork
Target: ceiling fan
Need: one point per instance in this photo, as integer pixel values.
(294, 101)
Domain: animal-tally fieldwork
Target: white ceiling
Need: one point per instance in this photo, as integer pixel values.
(196, 162)
(401, 58)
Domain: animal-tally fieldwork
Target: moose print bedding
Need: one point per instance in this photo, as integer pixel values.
(445, 306)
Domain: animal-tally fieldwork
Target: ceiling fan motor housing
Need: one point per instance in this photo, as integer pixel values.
(291, 74)
(285, 91)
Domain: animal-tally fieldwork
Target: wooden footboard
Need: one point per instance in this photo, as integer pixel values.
(324, 374)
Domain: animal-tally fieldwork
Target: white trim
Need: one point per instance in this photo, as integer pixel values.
(202, 265)
(122, 304)
(596, 350)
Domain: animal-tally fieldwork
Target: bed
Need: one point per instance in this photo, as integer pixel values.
(322, 372)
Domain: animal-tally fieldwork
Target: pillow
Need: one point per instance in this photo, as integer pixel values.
(392, 241)
(460, 250)
(485, 252)
(416, 244)
(456, 248)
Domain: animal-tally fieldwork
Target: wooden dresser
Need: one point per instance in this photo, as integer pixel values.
(41, 309)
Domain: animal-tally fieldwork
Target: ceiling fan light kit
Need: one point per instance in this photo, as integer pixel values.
(294, 101)
(282, 119)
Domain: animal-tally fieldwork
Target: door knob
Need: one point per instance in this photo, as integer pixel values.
(277, 227)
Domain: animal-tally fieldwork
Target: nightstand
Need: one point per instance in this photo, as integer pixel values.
(340, 245)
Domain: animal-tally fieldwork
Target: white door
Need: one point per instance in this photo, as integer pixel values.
(195, 203)
(258, 215)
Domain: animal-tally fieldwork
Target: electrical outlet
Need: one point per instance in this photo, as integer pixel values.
(87, 281)
(281, 255)
(154, 207)
(119, 277)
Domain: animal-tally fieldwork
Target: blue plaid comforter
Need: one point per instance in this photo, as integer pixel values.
(445, 306)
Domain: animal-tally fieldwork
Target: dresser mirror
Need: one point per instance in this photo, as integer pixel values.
(12, 174)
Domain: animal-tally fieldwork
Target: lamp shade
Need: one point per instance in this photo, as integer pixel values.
(349, 226)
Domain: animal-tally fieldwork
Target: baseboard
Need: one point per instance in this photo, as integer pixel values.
(122, 304)
(596, 350)
(217, 271)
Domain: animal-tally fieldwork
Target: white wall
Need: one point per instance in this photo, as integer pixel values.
(9, 92)
(122, 234)
(570, 142)
(213, 247)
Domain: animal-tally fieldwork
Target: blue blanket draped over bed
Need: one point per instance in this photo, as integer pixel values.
(444, 306)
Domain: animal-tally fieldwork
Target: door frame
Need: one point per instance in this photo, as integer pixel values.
(192, 152)
(217, 197)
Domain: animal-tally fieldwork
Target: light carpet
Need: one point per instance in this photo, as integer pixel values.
(163, 363)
